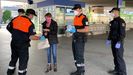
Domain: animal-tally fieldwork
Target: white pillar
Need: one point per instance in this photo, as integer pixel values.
(0, 13)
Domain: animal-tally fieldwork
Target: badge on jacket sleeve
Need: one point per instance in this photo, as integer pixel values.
(123, 24)
(87, 23)
(34, 30)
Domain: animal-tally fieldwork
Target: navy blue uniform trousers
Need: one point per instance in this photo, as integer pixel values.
(78, 44)
(119, 62)
(21, 52)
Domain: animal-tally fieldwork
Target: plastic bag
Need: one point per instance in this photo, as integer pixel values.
(43, 44)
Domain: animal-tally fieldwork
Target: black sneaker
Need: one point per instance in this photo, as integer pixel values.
(114, 72)
(10, 72)
(22, 73)
(76, 73)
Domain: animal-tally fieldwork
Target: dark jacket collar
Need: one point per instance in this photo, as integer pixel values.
(117, 18)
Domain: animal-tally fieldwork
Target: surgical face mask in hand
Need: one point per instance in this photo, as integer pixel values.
(76, 13)
(42, 38)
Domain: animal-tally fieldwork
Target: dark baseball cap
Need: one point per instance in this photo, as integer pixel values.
(21, 11)
(117, 9)
(31, 11)
(76, 6)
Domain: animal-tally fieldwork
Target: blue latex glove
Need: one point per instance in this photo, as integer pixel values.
(71, 29)
(118, 45)
(108, 42)
(42, 38)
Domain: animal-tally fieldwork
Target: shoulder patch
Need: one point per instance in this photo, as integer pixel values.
(109, 24)
(87, 23)
(34, 30)
(123, 24)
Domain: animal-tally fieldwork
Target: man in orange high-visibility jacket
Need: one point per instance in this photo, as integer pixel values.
(22, 30)
(79, 39)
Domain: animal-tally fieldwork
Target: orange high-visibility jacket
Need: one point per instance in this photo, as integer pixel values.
(78, 20)
(21, 23)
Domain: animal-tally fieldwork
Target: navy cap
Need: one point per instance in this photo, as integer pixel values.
(117, 9)
(21, 11)
(76, 6)
(31, 11)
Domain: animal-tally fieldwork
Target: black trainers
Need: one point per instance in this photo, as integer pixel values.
(77, 73)
(10, 72)
(22, 73)
(114, 72)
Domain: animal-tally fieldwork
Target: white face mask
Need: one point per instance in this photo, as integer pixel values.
(76, 13)
(112, 14)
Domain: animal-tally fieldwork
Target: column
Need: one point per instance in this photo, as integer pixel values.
(0, 13)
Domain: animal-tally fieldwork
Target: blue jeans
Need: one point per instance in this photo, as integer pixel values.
(52, 50)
